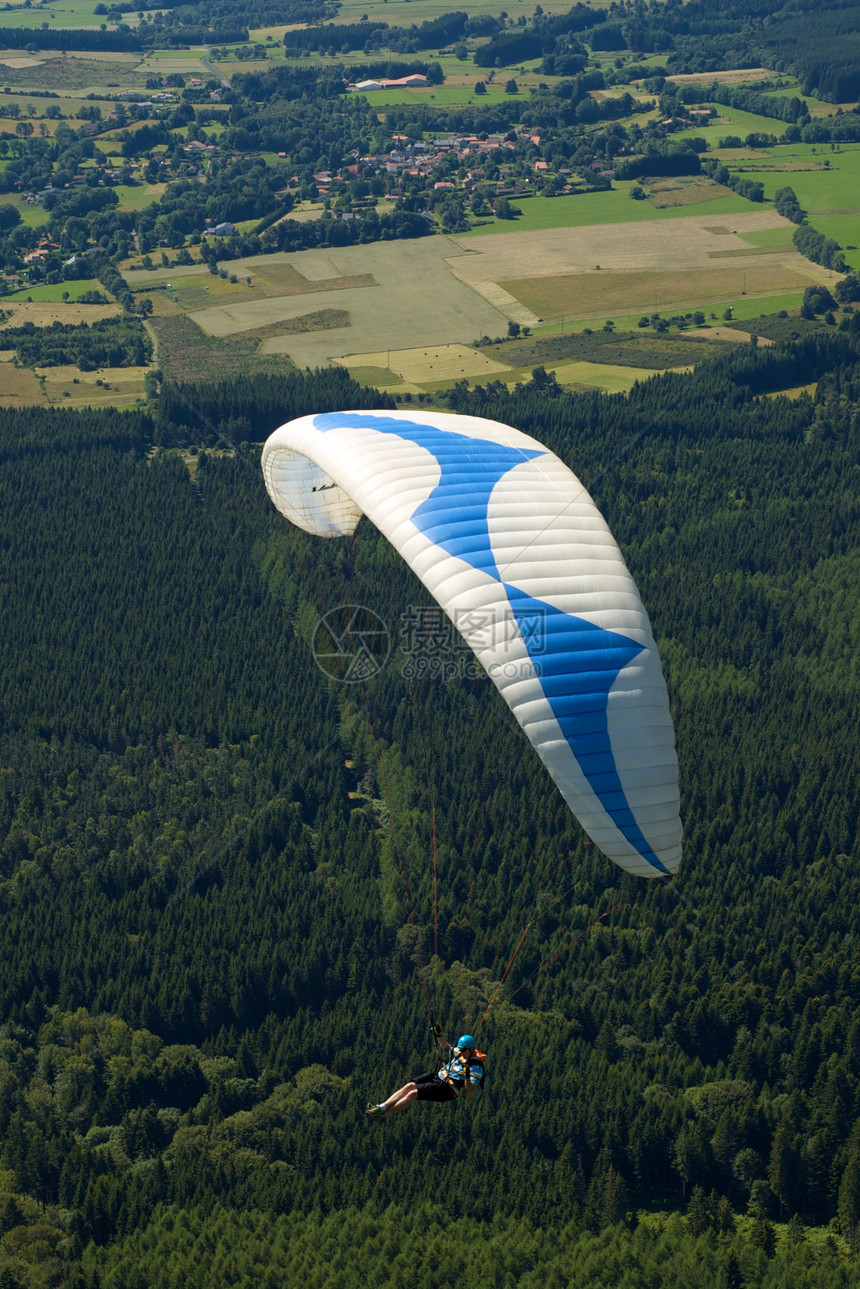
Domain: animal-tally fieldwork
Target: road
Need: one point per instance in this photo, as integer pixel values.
(214, 70)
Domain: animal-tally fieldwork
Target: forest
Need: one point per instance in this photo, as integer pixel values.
(216, 899)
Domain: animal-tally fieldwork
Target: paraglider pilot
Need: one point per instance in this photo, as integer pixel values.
(462, 1071)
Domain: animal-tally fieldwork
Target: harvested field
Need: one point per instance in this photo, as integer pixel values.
(375, 377)
(779, 248)
(606, 376)
(587, 295)
(270, 276)
(74, 388)
(732, 76)
(641, 349)
(432, 363)
(410, 293)
(18, 385)
(665, 193)
(566, 261)
(43, 312)
(657, 244)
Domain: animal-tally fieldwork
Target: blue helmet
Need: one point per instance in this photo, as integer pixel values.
(465, 1040)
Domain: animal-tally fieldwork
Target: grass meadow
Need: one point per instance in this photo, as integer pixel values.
(62, 13)
(54, 293)
(827, 183)
(31, 216)
(733, 120)
(614, 207)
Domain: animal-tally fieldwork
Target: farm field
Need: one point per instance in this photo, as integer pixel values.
(827, 184)
(265, 277)
(769, 237)
(104, 387)
(42, 313)
(407, 290)
(733, 120)
(54, 293)
(81, 74)
(581, 296)
(743, 308)
(138, 196)
(557, 271)
(434, 368)
(402, 12)
(36, 104)
(351, 304)
(18, 385)
(814, 106)
(431, 364)
(597, 208)
(452, 95)
(63, 13)
(32, 216)
(740, 76)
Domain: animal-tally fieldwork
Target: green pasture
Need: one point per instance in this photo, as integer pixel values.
(768, 237)
(816, 107)
(138, 196)
(54, 294)
(403, 13)
(34, 106)
(829, 192)
(65, 13)
(744, 308)
(446, 95)
(31, 216)
(259, 35)
(613, 207)
(832, 181)
(732, 120)
(844, 229)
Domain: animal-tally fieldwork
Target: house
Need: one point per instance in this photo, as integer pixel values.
(225, 230)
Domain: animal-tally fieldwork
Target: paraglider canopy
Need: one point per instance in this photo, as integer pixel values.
(509, 543)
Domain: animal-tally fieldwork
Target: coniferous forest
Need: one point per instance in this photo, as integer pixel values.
(216, 899)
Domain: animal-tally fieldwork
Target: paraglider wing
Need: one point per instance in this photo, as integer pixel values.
(509, 543)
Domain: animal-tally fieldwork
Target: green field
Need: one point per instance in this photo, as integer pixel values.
(55, 292)
(613, 207)
(138, 196)
(768, 237)
(827, 184)
(814, 106)
(578, 294)
(402, 12)
(32, 216)
(732, 120)
(63, 13)
(446, 95)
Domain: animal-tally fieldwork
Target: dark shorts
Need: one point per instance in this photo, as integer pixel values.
(432, 1088)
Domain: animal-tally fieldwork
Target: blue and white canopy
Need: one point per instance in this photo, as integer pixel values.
(509, 543)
